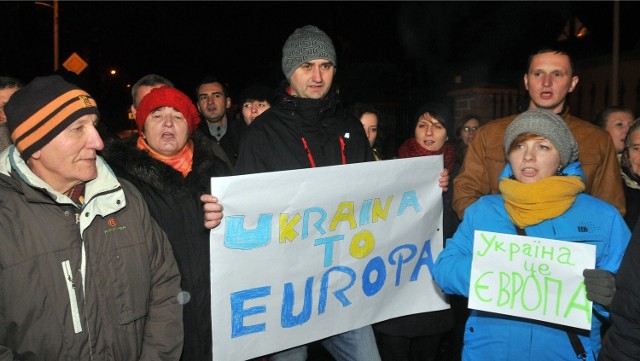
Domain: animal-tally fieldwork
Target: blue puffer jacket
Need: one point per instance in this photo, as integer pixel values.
(490, 336)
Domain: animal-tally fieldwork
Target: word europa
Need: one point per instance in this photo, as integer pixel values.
(531, 294)
(294, 226)
(374, 276)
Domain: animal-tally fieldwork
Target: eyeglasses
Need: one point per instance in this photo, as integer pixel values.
(470, 129)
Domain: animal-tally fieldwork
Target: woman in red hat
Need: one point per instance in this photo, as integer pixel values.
(172, 166)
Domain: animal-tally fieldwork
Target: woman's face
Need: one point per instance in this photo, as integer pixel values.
(252, 108)
(634, 151)
(534, 159)
(166, 131)
(468, 130)
(370, 123)
(618, 126)
(429, 133)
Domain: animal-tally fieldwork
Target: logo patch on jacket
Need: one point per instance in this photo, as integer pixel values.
(588, 227)
(113, 226)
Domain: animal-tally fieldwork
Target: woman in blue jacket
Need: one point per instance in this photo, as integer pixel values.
(541, 193)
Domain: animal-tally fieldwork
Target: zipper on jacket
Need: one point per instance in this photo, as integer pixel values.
(75, 314)
(83, 269)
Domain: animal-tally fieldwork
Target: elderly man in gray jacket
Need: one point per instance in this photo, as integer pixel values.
(85, 272)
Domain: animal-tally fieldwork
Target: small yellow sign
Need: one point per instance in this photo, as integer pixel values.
(75, 64)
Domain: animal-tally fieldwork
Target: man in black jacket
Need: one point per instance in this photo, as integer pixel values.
(622, 341)
(307, 128)
(213, 100)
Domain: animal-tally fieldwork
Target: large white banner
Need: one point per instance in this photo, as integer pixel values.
(306, 254)
(531, 277)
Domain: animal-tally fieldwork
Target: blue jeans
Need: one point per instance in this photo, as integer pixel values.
(354, 345)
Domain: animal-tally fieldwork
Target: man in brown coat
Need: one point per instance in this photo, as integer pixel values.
(549, 79)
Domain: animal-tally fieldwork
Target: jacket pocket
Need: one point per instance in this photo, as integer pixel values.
(131, 283)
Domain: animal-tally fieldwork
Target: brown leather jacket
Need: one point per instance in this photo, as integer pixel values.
(485, 159)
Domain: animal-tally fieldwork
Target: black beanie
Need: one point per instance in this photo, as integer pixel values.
(256, 92)
(42, 109)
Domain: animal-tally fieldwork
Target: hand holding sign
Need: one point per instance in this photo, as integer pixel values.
(601, 286)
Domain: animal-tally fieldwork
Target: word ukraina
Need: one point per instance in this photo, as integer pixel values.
(297, 226)
(533, 249)
(246, 320)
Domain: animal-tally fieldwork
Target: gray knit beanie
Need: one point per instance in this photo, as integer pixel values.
(548, 125)
(305, 44)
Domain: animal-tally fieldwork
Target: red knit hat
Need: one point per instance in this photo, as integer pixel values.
(167, 97)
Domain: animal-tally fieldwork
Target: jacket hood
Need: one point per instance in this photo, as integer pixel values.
(571, 169)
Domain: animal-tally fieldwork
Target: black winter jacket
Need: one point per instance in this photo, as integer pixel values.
(274, 141)
(631, 185)
(623, 337)
(174, 203)
(230, 141)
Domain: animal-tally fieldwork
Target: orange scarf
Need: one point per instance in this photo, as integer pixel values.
(182, 162)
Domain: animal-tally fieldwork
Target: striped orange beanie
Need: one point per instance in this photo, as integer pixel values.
(42, 109)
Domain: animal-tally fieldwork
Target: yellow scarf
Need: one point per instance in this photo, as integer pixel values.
(529, 204)
(182, 162)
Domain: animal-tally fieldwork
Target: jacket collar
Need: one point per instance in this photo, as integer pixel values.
(35, 189)
(573, 169)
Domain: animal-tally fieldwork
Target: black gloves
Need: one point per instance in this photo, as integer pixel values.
(600, 285)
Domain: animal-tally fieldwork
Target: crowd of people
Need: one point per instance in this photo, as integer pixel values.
(105, 242)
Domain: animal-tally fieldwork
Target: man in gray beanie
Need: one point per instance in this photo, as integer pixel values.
(305, 128)
(306, 43)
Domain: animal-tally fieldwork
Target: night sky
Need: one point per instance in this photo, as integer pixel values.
(387, 51)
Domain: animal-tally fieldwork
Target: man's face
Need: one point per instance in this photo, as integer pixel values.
(70, 157)
(212, 103)
(5, 94)
(140, 93)
(548, 81)
(312, 79)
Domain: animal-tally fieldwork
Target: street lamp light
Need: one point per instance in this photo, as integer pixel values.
(55, 30)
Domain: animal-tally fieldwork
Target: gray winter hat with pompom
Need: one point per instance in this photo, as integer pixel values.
(548, 125)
